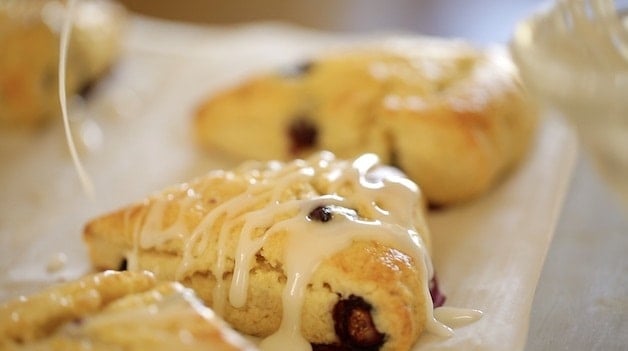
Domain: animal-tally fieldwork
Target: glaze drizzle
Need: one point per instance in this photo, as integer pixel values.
(359, 200)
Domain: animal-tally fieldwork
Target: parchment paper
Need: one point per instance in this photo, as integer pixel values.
(488, 253)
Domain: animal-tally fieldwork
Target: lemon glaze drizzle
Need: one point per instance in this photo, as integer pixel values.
(299, 268)
(64, 44)
(376, 192)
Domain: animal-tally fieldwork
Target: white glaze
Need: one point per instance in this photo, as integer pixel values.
(64, 44)
(456, 317)
(384, 201)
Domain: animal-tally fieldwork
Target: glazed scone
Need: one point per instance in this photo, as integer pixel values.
(29, 38)
(115, 311)
(455, 118)
(330, 252)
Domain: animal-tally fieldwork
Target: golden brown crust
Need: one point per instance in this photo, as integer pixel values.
(453, 117)
(25, 320)
(388, 279)
(114, 310)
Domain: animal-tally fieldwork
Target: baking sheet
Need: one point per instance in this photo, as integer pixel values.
(488, 253)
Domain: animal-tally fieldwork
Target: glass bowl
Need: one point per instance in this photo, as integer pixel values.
(573, 59)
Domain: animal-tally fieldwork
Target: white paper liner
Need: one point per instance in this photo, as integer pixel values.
(488, 253)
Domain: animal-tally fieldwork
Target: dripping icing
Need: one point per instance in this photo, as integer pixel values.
(456, 317)
(64, 44)
(272, 203)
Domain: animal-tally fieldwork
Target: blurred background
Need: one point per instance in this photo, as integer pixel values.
(482, 21)
(574, 61)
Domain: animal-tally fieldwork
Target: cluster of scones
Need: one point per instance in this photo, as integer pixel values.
(319, 241)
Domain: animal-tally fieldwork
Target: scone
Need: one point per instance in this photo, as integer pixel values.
(321, 251)
(115, 311)
(29, 38)
(455, 118)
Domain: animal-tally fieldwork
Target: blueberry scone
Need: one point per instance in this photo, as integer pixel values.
(115, 311)
(319, 253)
(453, 117)
(29, 38)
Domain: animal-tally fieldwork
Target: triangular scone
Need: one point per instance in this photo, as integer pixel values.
(455, 118)
(115, 311)
(321, 250)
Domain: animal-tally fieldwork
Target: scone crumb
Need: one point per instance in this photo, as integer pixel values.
(57, 262)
